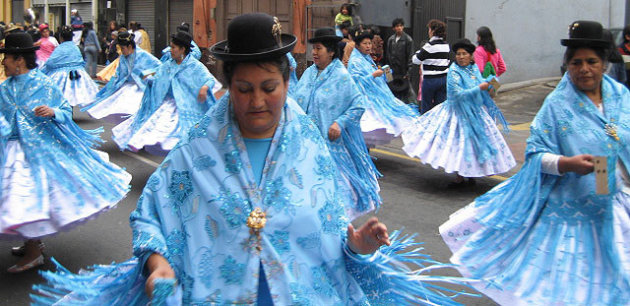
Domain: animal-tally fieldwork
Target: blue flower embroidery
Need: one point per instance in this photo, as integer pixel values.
(187, 286)
(232, 272)
(233, 162)
(325, 167)
(205, 268)
(176, 242)
(199, 130)
(278, 196)
(234, 209)
(311, 241)
(180, 187)
(211, 227)
(280, 240)
(321, 281)
(143, 242)
(331, 217)
(203, 162)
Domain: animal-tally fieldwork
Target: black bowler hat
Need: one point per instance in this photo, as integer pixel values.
(182, 38)
(324, 34)
(253, 37)
(465, 44)
(19, 42)
(584, 33)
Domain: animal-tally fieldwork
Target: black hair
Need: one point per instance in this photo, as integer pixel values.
(613, 56)
(398, 21)
(89, 25)
(602, 53)
(331, 46)
(348, 7)
(438, 27)
(29, 58)
(184, 27)
(345, 25)
(626, 32)
(465, 44)
(282, 63)
(486, 40)
(66, 33)
(180, 44)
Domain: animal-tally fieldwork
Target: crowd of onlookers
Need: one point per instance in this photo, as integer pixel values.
(95, 49)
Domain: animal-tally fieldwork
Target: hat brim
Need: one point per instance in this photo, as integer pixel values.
(334, 38)
(220, 51)
(585, 42)
(19, 50)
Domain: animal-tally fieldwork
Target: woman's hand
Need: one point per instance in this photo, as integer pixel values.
(378, 73)
(369, 237)
(580, 164)
(158, 267)
(44, 111)
(334, 131)
(484, 86)
(203, 94)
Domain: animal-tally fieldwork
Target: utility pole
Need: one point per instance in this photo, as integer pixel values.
(67, 11)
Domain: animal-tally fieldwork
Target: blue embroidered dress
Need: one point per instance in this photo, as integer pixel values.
(385, 116)
(123, 93)
(52, 178)
(169, 107)
(460, 134)
(544, 239)
(66, 68)
(194, 211)
(293, 79)
(330, 96)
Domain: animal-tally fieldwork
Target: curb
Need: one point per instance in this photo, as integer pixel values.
(527, 83)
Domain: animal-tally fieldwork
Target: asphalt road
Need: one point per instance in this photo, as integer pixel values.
(416, 199)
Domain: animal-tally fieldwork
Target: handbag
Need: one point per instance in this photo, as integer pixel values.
(488, 70)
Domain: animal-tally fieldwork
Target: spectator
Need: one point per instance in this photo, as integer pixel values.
(76, 23)
(624, 48)
(345, 14)
(434, 58)
(133, 27)
(145, 42)
(377, 45)
(91, 49)
(487, 56)
(111, 52)
(46, 43)
(398, 53)
(615, 68)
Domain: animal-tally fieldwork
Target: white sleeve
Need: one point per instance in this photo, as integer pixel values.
(415, 60)
(550, 164)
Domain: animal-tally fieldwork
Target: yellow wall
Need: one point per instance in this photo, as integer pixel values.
(5, 10)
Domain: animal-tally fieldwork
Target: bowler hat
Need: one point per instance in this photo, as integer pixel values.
(324, 34)
(584, 33)
(182, 38)
(253, 37)
(465, 44)
(20, 42)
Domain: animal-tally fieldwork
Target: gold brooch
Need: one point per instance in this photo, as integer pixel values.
(611, 130)
(256, 220)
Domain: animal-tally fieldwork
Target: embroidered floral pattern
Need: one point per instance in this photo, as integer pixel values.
(280, 241)
(203, 162)
(234, 209)
(278, 196)
(205, 269)
(310, 241)
(144, 243)
(153, 183)
(233, 162)
(211, 227)
(331, 217)
(176, 242)
(180, 187)
(325, 167)
(322, 281)
(232, 272)
(199, 130)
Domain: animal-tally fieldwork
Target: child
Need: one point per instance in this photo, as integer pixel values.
(345, 14)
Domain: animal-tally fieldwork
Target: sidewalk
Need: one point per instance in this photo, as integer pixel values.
(519, 103)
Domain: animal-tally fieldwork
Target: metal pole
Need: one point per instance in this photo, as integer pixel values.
(67, 12)
(95, 14)
(46, 11)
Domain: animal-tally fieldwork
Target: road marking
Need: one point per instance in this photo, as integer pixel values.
(521, 127)
(405, 157)
(142, 159)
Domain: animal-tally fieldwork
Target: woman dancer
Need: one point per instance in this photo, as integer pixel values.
(52, 178)
(247, 210)
(385, 116)
(176, 98)
(66, 68)
(549, 235)
(460, 135)
(122, 95)
(334, 102)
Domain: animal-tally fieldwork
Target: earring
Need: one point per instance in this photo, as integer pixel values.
(18, 70)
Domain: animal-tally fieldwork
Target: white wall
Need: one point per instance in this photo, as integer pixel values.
(528, 32)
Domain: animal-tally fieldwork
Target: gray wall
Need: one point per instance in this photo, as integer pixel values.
(528, 32)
